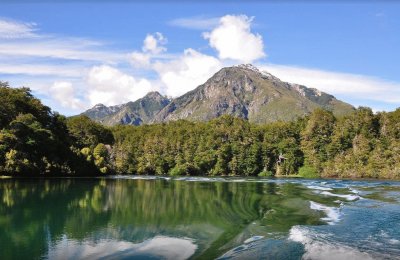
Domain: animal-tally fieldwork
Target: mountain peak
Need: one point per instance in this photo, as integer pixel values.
(99, 105)
(154, 94)
(248, 66)
(133, 113)
(251, 67)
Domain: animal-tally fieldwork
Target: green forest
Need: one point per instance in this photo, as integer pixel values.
(35, 140)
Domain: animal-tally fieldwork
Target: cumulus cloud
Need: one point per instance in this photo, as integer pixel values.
(63, 93)
(233, 39)
(110, 86)
(179, 73)
(186, 72)
(140, 59)
(153, 43)
(14, 30)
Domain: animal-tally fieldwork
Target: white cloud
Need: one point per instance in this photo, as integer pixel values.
(43, 70)
(22, 40)
(59, 48)
(186, 72)
(153, 43)
(48, 64)
(14, 30)
(110, 86)
(233, 39)
(177, 74)
(197, 23)
(63, 93)
(140, 59)
(352, 86)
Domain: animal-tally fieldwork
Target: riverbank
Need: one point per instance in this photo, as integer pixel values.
(99, 176)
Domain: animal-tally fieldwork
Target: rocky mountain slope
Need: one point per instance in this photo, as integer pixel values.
(241, 91)
(139, 112)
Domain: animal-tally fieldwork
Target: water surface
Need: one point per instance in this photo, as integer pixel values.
(200, 218)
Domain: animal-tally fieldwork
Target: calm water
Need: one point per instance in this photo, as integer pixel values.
(180, 218)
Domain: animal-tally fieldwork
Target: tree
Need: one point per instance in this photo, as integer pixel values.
(87, 133)
(316, 137)
(34, 139)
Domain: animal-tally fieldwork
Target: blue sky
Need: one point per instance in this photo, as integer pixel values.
(75, 55)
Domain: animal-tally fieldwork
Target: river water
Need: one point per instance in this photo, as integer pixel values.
(135, 217)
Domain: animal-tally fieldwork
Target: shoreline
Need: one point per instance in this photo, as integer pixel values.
(110, 176)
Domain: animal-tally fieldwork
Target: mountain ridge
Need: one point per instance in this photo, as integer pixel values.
(242, 91)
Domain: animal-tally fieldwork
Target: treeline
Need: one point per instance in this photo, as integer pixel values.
(35, 140)
(361, 145)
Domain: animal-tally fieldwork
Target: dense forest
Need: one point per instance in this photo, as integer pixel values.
(35, 140)
(362, 145)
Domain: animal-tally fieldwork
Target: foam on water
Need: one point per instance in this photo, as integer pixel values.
(202, 179)
(394, 241)
(252, 239)
(317, 248)
(348, 197)
(384, 239)
(354, 191)
(136, 177)
(315, 187)
(332, 214)
(240, 180)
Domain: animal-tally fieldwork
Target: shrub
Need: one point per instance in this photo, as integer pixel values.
(178, 170)
(266, 174)
(308, 172)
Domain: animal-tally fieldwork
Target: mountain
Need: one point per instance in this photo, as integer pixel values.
(241, 91)
(139, 112)
(246, 92)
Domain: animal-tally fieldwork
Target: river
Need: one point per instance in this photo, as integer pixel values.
(135, 217)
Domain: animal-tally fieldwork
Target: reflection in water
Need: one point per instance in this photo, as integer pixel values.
(157, 247)
(328, 251)
(189, 217)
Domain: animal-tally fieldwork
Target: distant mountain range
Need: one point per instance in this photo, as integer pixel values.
(241, 91)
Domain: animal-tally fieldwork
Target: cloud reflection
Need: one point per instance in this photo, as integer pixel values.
(155, 248)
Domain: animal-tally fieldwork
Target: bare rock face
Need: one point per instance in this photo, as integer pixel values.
(241, 91)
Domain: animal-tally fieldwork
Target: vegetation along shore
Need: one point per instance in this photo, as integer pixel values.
(37, 141)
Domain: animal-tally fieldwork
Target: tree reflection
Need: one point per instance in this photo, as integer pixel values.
(35, 214)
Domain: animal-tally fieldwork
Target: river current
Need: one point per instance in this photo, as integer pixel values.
(147, 217)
